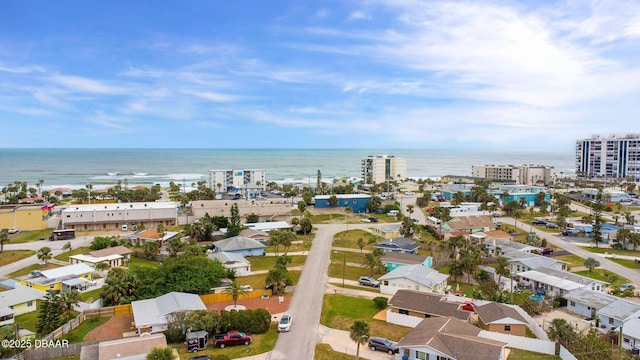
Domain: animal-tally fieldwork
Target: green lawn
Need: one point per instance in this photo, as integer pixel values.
(65, 255)
(257, 282)
(349, 239)
(339, 312)
(603, 275)
(631, 264)
(29, 236)
(261, 344)
(325, 352)
(31, 268)
(77, 335)
(91, 295)
(11, 256)
(268, 262)
(613, 251)
(573, 260)
(517, 354)
(29, 320)
(350, 272)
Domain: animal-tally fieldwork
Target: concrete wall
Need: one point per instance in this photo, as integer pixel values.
(23, 217)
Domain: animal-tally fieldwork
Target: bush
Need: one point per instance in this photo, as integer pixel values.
(251, 321)
(381, 302)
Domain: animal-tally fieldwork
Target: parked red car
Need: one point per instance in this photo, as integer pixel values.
(233, 337)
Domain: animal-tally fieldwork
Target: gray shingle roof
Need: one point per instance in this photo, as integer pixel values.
(417, 273)
(237, 243)
(493, 312)
(425, 303)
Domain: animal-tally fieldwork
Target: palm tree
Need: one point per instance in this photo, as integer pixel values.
(4, 237)
(66, 246)
(591, 263)
(503, 268)
(359, 332)
(150, 249)
(44, 254)
(235, 290)
(278, 277)
(101, 266)
(68, 299)
(410, 209)
(361, 244)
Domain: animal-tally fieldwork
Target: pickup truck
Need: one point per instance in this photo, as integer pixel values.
(233, 337)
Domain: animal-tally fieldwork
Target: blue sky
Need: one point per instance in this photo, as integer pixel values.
(318, 74)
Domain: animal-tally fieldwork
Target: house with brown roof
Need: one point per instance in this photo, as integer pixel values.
(152, 235)
(449, 338)
(409, 307)
(470, 224)
(259, 235)
(501, 318)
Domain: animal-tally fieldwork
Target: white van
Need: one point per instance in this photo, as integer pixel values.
(125, 227)
(392, 213)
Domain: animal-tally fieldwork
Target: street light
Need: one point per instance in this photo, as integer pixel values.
(344, 263)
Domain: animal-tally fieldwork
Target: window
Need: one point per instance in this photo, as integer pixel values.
(427, 315)
(610, 321)
(421, 355)
(507, 328)
(404, 312)
(29, 303)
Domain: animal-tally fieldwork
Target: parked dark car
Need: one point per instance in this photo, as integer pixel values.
(373, 219)
(201, 357)
(571, 232)
(551, 226)
(539, 222)
(546, 251)
(382, 344)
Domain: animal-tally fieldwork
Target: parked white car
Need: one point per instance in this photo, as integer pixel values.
(285, 323)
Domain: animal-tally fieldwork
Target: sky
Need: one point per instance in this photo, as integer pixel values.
(498, 75)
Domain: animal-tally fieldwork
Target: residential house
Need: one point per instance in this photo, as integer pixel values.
(409, 307)
(398, 244)
(451, 339)
(153, 315)
(7, 316)
(131, 348)
(269, 226)
(501, 318)
(114, 216)
(631, 333)
(393, 260)
(259, 235)
(112, 256)
(387, 231)
(618, 311)
(470, 224)
(76, 276)
(151, 235)
(233, 261)
(555, 282)
(588, 303)
(414, 277)
(21, 300)
(240, 245)
(523, 261)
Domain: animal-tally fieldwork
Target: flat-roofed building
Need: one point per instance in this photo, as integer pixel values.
(246, 181)
(526, 174)
(380, 168)
(115, 216)
(614, 156)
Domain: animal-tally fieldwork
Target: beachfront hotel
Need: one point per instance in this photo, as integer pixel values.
(381, 168)
(247, 181)
(614, 156)
(520, 175)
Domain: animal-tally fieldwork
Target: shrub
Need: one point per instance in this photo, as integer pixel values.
(381, 302)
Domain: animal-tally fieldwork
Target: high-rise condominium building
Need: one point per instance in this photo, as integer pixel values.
(381, 168)
(613, 156)
(237, 180)
(522, 174)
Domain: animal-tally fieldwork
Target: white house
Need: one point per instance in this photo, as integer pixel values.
(556, 282)
(233, 261)
(586, 302)
(413, 277)
(631, 333)
(153, 315)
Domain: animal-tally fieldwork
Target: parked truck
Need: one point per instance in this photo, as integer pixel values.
(233, 337)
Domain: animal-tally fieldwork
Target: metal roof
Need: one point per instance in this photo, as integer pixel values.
(593, 299)
(19, 295)
(619, 309)
(237, 243)
(417, 273)
(75, 269)
(154, 311)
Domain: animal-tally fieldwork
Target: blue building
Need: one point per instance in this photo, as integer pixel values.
(357, 202)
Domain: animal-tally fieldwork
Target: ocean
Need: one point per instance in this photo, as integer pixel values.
(103, 168)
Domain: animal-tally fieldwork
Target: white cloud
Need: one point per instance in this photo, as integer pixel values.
(359, 15)
(85, 85)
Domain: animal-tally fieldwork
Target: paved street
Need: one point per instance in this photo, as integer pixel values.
(631, 274)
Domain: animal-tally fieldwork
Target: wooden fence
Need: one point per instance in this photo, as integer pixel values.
(222, 297)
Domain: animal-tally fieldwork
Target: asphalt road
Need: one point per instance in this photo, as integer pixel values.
(631, 274)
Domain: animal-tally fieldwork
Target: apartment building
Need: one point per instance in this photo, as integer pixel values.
(614, 156)
(380, 168)
(526, 174)
(246, 181)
